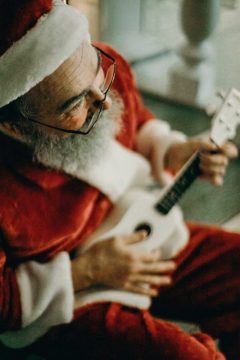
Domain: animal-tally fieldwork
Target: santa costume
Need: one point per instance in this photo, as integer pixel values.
(45, 214)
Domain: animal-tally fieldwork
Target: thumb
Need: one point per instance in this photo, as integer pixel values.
(206, 146)
(136, 237)
(230, 150)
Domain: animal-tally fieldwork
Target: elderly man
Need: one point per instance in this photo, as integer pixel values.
(73, 141)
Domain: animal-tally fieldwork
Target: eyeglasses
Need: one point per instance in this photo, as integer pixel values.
(95, 116)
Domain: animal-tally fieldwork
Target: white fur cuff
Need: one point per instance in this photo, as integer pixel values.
(47, 299)
(153, 141)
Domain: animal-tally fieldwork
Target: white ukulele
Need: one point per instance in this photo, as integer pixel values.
(155, 211)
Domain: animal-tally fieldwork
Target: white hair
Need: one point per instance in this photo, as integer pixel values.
(81, 151)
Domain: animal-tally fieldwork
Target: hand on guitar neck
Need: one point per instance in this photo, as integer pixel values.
(214, 154)
(213, 160)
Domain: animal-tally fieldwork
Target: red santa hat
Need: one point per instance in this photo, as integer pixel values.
(37, 36)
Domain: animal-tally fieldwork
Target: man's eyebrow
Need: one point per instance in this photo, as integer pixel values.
(77, 98)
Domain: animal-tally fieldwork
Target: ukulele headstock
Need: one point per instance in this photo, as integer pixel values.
(227, 119)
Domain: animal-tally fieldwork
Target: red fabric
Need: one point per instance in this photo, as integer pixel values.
(29, 11)
(206, 285)
(136, 114)
(114, 332)
(43, 212)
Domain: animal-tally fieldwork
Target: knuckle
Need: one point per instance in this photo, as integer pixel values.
(110, 242)
(154, 256)
(129, 264)
(149, 257)
(125, 285)
(117, 241)
(158, 281)
(132, 258)
(129, 277)
(118, 244)
(225, 161)
(133, 267)
(129, 286)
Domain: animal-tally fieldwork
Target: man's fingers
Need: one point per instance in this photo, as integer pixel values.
(135, 237)
(230, 150)
(153, 280)
(214, 159)
(216, 180)
(212, 170)
(141, 289)
(151, 256)
(213, 166)
(159, 267)
(203, 145)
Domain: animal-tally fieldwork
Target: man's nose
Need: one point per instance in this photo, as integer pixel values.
(102, 100)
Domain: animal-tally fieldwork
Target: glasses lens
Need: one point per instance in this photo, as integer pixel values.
(94, 117)
(91, 121)
(108, 79)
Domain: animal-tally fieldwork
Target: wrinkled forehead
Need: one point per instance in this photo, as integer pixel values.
(73, 76)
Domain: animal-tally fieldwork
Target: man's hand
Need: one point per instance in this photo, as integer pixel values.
(213, 161)
(115, 263)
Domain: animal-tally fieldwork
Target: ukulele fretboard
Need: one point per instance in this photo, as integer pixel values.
(182, 182)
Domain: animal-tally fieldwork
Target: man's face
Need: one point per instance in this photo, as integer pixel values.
(66, 97)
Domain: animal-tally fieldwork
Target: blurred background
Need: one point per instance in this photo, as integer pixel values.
(182, 53)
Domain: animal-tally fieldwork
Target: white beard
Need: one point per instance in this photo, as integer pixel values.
(76, 151)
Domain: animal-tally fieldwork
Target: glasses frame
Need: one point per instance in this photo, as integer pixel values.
(98, 104)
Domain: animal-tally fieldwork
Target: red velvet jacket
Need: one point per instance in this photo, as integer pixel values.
(43, 212)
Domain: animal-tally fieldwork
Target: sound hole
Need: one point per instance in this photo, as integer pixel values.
(144, 226)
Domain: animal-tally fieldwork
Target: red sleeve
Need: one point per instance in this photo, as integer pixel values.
(10, 307)
(135, 113)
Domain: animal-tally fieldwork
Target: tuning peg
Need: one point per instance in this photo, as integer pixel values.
(221, 94)
(211, 109)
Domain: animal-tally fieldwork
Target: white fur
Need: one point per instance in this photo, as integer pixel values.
(47, 299)
(118, 169)
(48, 303)
(41, 51)
(153, 141)
(127, 298)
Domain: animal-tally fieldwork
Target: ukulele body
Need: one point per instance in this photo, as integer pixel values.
(136, 211)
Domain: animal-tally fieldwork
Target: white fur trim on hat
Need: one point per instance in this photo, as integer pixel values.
(41, 50)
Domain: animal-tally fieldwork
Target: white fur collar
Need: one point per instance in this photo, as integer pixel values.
(118, 170)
